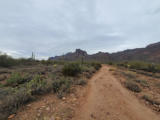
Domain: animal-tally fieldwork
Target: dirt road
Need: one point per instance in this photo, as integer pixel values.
(108, 100)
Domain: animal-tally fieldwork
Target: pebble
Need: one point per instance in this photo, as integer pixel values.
(48, 109)
(11, 116)
(28, 105)
(63, 98)
(58, 118)
(74, 99)
(43, 106)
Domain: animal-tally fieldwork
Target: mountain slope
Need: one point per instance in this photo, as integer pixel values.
(151, 53)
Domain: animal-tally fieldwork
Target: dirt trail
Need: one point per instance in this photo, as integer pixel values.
(108, 100)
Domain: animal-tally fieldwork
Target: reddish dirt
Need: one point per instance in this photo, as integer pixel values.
(104, 98)
(108, 100)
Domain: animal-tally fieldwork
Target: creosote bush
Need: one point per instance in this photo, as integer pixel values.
(15, 79)
(12, 100)
(132, 86)
(96, 65)
(7, 61)
(143, 83)
(37, 85)
(140, 65)
(150, 100)
(72, 69)
(62, 86)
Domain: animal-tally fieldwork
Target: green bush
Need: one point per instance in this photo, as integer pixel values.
(157, 85)
(132, 86)
(15, 79)
(1, 85)
(47, 62)
(26, 62)
(7, 61)
(110, 63)
(96, 65)
(81, 82)
(71, 69)
(143, 83)
(37, 85)
(140, 65)
(152, 68)
(150, 100)
(61, 86)
(129, 75)
(12, 101)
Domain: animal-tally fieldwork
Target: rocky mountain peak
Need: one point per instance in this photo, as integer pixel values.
(80, 52)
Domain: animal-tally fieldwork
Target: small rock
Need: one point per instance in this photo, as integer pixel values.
(58, 118)
(48, 109)
(11, 116)
(28, 105)
(156, 105)
(43, 106)
(63, 98)
(39, 110)
(39, 114)
(74, 99)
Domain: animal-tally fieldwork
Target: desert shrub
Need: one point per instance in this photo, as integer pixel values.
(1, 85)
(85, 68)
(150, 100)
(47, 62)
(57, 84)
(140, 65)
(15, 79)
(151, 68)
(110, 63)
(143, 83)
(81, 82)
(88, 75)
(37, 85)
(132, 86)
(96, 65)
(129, 75)
(123, 64)
(62, 86)
(7, 61)
(157, 85)
(71, 69)
(26, 62)
(111, 69)
(13, 101)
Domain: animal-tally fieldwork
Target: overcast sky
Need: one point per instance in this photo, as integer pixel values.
(54, 27)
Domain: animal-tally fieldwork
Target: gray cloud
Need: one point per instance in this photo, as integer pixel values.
(50, 28)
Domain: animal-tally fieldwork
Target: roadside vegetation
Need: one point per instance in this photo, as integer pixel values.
(142, 79)
(150, 100)
(132, 86)
(138, 65)
(23, 80)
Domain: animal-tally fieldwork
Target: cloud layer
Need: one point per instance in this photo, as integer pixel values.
(54, 27)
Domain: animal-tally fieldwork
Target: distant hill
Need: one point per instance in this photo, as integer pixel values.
(151, 53)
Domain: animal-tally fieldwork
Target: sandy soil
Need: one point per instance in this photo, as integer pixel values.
(108, 100)
(104, 98)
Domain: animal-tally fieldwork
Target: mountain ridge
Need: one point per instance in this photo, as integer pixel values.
(150, 53)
